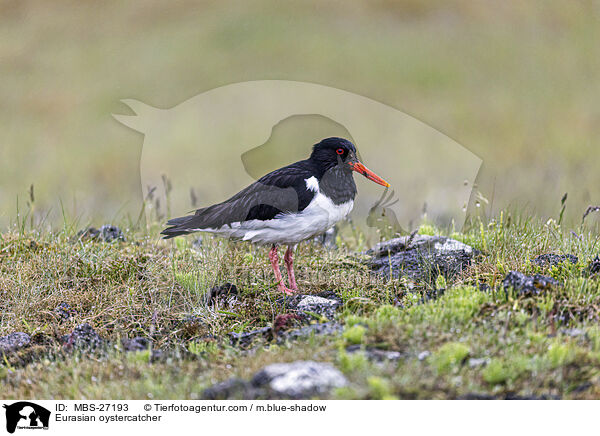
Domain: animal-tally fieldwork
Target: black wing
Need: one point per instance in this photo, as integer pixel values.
(283, 190)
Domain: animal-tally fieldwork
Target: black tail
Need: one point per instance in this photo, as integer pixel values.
(179, 226)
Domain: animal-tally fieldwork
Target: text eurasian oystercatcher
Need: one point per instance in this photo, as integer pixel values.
(286, 206)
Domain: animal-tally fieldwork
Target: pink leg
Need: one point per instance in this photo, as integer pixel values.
(274, 258)
(289, 264)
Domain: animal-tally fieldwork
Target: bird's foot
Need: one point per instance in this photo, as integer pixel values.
(285, 290)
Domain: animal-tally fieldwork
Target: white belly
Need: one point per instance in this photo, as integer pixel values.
(290, 228)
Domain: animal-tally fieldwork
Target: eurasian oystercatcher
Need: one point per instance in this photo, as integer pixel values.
(286, 206)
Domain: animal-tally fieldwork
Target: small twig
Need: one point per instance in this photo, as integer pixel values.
(589, 210)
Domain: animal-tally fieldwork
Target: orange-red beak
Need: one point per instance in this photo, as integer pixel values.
(361, 169)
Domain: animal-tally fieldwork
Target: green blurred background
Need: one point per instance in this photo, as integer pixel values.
(517, 83)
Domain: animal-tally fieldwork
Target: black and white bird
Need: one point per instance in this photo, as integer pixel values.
(286, 206)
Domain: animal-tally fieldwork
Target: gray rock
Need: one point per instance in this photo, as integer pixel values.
(138, 343)
(320, 329)
(594, 267)
(551, 259)
(376, 354)
(64, 311)
(323, 304)
(424, 355)
(111, 233)
(320, 305)
(226, 293)
(528, 285)
(573, 332)
(83, 337)
(421, 258)
(106, 233)
(245, 339)
(300, 379)
(13, 342)
(477, 362)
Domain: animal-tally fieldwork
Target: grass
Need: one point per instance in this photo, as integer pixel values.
(465, 342)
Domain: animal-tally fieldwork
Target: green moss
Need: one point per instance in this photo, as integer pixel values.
(181, 244)
(387, 314)
(449, 357)
(354, 334)
(379, 388)
(202, 348)
(456, 307)
(352, 320)
(427, 229)
(352, 362)
(496, 372)
(560, 354)
(501, 371)
(139, 356)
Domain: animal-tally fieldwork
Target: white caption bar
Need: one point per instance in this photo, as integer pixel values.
(267, 417)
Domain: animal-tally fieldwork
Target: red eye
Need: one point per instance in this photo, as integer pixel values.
(340, 151)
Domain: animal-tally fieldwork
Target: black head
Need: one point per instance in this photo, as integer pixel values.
(331, 152)
(341, 153)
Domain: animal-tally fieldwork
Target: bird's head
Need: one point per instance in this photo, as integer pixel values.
(331, 152)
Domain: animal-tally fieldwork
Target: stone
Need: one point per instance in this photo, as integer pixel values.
(420, 258)
(286, 321)
(83, 337)
(245, 339)
(573, 332)
(324, 304)
(484, 287)
(106, 233)
(594, 267)
(14, 342)
(320, 329)
(111, 233)
(64, 311)
(551, 259)
(315, 304)
(376, 354)
(528, 285)
(138, 343)
(280, 336)
(226, 292)
(477, 362)
(300, 379)
(423, 355)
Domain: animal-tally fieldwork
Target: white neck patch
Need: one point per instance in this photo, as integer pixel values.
(312, 184)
